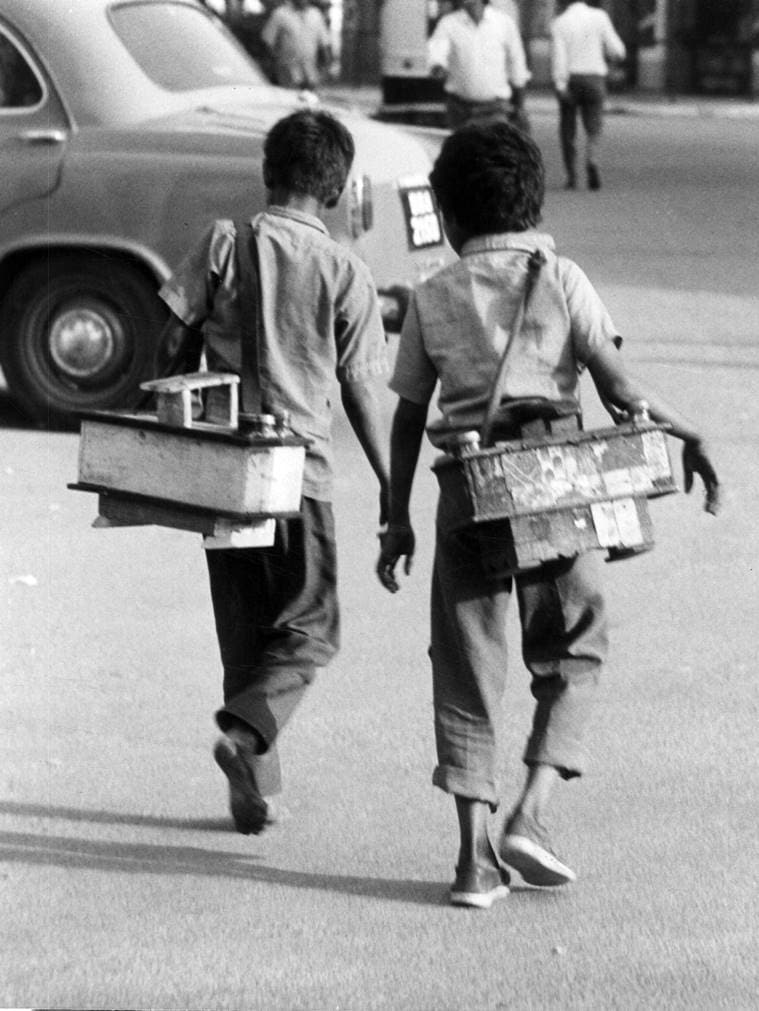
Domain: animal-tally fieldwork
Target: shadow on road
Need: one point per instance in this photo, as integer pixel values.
(160, 858)
(113, 817)
(145, 858)
(10, 415)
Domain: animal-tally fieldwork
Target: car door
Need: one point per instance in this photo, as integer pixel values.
(33, 124)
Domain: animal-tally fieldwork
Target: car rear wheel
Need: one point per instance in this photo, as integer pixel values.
(78, 333)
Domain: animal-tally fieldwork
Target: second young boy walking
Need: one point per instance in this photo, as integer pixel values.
(489, 182)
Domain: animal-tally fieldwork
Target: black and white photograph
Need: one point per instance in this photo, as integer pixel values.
(379, 472)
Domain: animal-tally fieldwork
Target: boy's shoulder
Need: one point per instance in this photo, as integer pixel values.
(491, 248)
(306, 240)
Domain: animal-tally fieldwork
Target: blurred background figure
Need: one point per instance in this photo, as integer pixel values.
(509, 7)
(583, 39)
(299, 44)
(477, 52)
(246, 20)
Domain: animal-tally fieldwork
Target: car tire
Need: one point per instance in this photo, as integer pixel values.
(78, 333)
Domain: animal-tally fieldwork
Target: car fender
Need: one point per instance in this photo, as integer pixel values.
(47, 243)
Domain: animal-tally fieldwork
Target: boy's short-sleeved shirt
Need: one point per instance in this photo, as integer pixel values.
(458, 324)
(320, 320)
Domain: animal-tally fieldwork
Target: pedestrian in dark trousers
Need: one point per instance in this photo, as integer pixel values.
(489, 183)
(319, 325)
(583, 39)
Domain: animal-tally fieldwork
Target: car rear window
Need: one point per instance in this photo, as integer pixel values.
(19, 88)
(182, 48)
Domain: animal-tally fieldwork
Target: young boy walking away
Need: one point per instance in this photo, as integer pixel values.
(276, 609)
(489, 182)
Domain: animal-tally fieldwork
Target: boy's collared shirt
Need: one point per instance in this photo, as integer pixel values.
(482, 60)
(459, 321)
(320, 320)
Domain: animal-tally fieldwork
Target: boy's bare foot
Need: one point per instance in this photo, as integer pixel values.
(251, 811)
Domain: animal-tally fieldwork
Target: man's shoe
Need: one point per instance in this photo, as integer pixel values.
(526, 848)
(594, 177)
(251, 811)
(571, 183)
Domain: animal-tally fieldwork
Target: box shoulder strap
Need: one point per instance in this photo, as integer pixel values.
(535, 262)
(249, 286)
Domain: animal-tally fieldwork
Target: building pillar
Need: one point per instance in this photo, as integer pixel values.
(652, 45)
(755, 49)
(360, 41)
(536, 29)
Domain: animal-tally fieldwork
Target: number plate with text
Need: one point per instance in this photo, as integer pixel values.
(423, 223)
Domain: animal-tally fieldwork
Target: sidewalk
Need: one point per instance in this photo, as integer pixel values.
(368, 99)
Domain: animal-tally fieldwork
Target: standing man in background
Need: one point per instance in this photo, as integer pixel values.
(478, 52)
(582, 40)
(509, 7)
(298, 39)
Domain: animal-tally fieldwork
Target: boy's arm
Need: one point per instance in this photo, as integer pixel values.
(179, 348)
(361, 403)
(625, 392)
(405, 442)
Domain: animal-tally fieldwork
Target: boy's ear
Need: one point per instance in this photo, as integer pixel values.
(268, 181)
(333, 199)
(455, 234)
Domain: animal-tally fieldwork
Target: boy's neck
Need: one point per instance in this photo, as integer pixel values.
(302, 202)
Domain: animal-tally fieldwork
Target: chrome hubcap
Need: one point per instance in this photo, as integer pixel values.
(83, 342)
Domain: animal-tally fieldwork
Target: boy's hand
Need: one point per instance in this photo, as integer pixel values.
(696, 461)
(396, 542)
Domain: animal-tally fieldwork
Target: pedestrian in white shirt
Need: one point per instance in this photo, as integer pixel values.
(299, 43)
(583, 39)
(477, 51)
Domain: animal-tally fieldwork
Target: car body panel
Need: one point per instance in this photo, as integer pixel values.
(108, 160)
(222, 123)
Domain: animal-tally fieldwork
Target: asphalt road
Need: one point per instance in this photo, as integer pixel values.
(121, 884)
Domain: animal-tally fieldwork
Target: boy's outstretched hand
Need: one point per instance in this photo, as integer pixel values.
(395, 543)
(696, 461)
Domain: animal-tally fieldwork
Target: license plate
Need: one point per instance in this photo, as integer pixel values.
(424, 226)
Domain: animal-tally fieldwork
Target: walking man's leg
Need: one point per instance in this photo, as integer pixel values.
(568, 135)
(592, 110)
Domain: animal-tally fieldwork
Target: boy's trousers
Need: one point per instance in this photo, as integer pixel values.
(277, 621)
(564, 644)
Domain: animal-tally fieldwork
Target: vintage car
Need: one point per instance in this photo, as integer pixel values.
(126, 126)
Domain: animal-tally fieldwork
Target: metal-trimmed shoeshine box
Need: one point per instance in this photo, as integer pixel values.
(227, 478)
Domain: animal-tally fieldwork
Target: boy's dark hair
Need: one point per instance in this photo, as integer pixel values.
(490, 178)
(311, 153)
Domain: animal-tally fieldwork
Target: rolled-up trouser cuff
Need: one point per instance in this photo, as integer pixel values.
(567, 768)
(268, 701)
(565, 705)
(464, 784)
